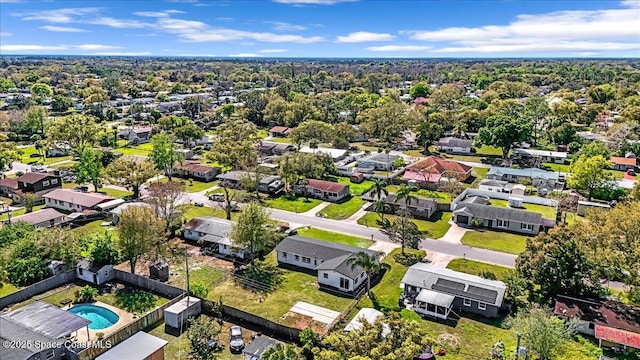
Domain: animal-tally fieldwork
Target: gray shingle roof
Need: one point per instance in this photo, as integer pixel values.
(47, 319)
(453, 141)
(341, 265)
(13, 331)
(455, 283)
(493, 213)
(210, 226)
(259, 346)
(322, 250)
(382, 158)
(139, 346)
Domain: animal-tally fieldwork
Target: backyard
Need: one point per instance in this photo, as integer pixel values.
(439, 196)
(548, 212)
(335, 237)
(476, 268)
(495, 240)
(344, 210)
(356, 189)
(435, 228)
(139, 150)
(291, 203)
(116, 193)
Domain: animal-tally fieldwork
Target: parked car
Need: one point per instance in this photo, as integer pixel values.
(82, 188)
(198, 204)
(236, 342)
(216, 197)
(291, 232)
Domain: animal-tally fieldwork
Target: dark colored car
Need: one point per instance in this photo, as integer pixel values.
(236, 342)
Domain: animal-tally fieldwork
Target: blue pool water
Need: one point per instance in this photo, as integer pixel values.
(101, 318)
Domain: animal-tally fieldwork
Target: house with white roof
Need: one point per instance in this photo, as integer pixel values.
(557, 157)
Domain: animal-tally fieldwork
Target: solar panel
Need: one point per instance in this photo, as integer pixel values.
(482, 294)
(453, 285)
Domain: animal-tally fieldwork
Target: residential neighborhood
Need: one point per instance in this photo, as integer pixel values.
(253, 207)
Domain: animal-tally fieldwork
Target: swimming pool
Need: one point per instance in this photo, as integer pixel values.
(100, 317)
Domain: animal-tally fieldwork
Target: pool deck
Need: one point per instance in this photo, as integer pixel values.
(124, 319)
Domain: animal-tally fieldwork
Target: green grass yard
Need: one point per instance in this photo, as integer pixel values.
(139, 150)
(439, 196)
(356, 189)
(7, 288)
(27, 152)
(495, 240)
(344, 210)
(476, 267)
(283, 140)
(547, 212)
(191, 211)
(335, 237)
(294, 204)
(192, 186)
(19, 212)
(115, 192)
(435, 228)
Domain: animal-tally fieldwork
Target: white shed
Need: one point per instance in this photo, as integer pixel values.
(177, 314)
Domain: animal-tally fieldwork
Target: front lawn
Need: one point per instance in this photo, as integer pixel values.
(192, 186)
(547, 212)
(435, 228)
(479, 173)
(558, 167)
(495, 240)
(95, 228)
(116, 193)
(476, 267)
(335, 237)
(439, 196)
(295, 204)
(140, 150)
(191, 211)
(30, 156)
(344, 210)
(283, 140)
(356, 189)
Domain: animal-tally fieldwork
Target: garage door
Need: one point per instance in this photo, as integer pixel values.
(462, 219)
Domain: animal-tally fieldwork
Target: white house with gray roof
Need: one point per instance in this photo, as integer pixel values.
(214, 232)
(436, 291)
(329, 259)
(454, 145)
(557, 157)
(538, 177)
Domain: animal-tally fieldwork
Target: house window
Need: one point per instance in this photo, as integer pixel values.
(482, 306)
(45, 183)
(325, 275)
(524, 226)
(502, 223)
(466, 302)
(54, 181)
(344, 283)
(297, 257)
(284, 255)
(80, 271)
(592, 326)
(306, 260)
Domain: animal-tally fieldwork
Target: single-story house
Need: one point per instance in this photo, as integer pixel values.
(115, 213)
(544, 156)
(502, 186)
(280, 131)
(623, 163)
(268, 148)
(214, 232)
(137, 135)
(612, 323)
(39, 323)
(269, 184)
(377, 161)
(257, 347)
(93, 273)
(59, 149)
(329, 259)
(436, 291)
(140, 345)
(323, 190)
(421, 208)
(538, 177)
(492, 217)
(206, 142)
(195, 171)
(433, 169)
(186, 154)
(43, 218)
(336, 154)
(454, 145)
(74, 201)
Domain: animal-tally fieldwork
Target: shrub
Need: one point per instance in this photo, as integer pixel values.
(407, 259)
(199, 290)
(135, 301)
(488, 275)
(23, 272)
(86, 295)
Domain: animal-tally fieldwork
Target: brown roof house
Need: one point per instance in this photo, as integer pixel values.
(42, 218)
(196, 171)
(33, 182)
(323, 190)
(280, 131)
(432, 169)
(623, 163)
(74, 201)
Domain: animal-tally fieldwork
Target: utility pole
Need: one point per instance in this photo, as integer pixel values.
(518, 336)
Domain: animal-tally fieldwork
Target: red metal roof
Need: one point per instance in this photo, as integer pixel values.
(623, 161)
(328, 186)
(11, 183)
(618, 336)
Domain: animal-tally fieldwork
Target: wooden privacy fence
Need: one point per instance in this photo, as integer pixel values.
(38, 288)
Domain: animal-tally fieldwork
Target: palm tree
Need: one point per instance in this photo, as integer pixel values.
(379, 188)
(368, 262)
(405, 193)
(381, 207)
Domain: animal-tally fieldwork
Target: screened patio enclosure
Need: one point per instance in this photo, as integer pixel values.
(433, 304)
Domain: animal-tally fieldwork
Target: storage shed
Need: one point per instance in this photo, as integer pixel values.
(159, 271)
(176, 315)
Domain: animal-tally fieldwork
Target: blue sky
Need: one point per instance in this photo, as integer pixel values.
(322, 28)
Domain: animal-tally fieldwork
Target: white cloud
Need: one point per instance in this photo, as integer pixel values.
(197, 31)
(559, 31)
(62, 29)
(399, 48)
(18, 48)
(313, 2)
(5, 34)
(283, 26)
(273, 51)
(364, 36)
(121, 53)
(62, 16)
(118, 23)
(96, 47)
(244, 55)
(10, 1)
(157, 13)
